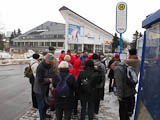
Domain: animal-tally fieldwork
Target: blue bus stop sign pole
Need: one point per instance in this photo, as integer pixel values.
(121, 21)
(121, 43)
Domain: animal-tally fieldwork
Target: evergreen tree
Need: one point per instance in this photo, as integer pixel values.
(19, 32)
(135, 38)
(14, 33)
(140, 34)
(115, 42)
(1, 42)
(125, 43)
(10, 39)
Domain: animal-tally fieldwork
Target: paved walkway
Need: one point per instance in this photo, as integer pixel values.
(108, 110)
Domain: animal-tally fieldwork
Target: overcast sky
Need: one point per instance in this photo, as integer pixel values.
(27, 14)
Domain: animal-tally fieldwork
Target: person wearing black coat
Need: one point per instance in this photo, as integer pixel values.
(41, 84)
(88, 97)
(64, 104)
(110, 75)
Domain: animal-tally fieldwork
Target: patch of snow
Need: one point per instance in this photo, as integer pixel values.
(29, 54)
(4, 55)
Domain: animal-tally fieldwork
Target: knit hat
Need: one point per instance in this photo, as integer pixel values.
(94, 56)
(51, 48)
(63, 65)
(35, 56)
(67, 58)
(116, 57)
(49, 57)
(89, 63)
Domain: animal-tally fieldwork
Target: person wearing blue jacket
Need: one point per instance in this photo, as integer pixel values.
(83, 57)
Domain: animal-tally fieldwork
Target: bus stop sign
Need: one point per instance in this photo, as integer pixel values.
(121, 17)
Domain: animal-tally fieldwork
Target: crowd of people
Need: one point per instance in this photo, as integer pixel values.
(79, 78)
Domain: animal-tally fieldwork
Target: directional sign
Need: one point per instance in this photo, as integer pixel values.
(121, 17)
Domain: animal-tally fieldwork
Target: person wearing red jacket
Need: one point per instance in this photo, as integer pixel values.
(77, 55)
(76, 67)
(61, 57)
(88, 58)
(76, 71)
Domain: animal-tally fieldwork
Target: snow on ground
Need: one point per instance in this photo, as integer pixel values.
(108, 109)
(4, 55)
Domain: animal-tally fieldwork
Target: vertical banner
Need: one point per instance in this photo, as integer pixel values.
(75, 34)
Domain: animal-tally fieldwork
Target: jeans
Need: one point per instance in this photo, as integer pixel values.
(91, 110)
(41, 106)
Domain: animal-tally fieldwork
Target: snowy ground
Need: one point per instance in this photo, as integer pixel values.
(108, 110)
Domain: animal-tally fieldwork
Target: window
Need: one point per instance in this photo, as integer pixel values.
(61, 36)
(71, 46)
(47, 43)
(41, 44)
(60, 44)
(53, 43)
(35, 43)
(55, 36)
(26, 43)
(22, 44)
(98, 48)
(31, 44)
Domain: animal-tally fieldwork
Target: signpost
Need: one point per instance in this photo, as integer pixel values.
(121, 20)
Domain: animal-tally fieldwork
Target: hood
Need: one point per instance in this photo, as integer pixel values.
(34, 61)
(96, 62)
(76, 56)
(77, 64)
(61, 57)
(133, 57)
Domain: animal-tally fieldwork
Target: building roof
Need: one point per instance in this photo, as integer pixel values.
(65, 8)
(47, 28)
(151, 19)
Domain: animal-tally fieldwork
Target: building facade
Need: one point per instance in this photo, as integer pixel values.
(77, 34)
(41, 37)
(81, 34)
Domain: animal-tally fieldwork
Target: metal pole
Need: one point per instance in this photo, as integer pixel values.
(121, 43)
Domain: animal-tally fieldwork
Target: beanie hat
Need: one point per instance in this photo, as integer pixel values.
(94, 56)
(51, 48)
(63, 65)
(35, 56)
(89, 63)
(49, 57)
(116, 57)
(67, 58)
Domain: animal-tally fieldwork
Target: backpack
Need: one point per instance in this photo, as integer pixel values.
(62, 88)
(86, 86)
(28, 72)
(131, 76)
